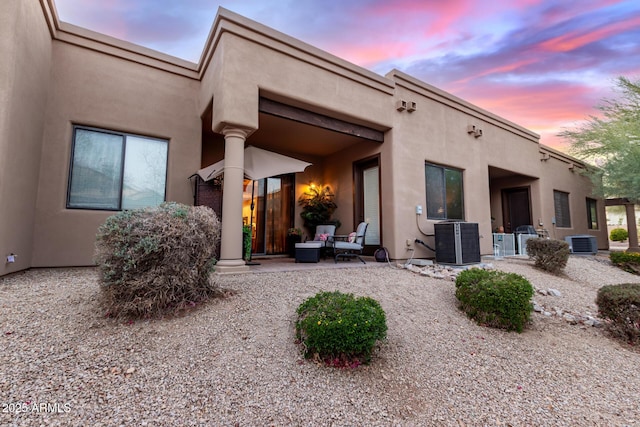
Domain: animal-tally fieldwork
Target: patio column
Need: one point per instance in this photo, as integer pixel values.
(632, 228)
(231, 237)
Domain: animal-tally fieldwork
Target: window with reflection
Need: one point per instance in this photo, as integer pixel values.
(592, 214)
(445, 197)
(561, 209)
(115, 171)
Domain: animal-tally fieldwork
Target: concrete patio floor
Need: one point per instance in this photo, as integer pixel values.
(271, 264)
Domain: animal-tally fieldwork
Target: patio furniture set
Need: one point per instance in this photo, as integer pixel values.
(326, 243)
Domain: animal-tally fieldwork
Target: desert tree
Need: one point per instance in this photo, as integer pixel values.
(611, 141)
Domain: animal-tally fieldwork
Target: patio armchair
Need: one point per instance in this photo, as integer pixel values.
(351, 249)
(324, 235)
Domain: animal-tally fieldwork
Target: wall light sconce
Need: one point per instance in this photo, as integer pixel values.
(401, 105)
(411, 106)
(545, 157)
(477, 132)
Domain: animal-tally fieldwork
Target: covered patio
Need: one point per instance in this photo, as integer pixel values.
(336, 147)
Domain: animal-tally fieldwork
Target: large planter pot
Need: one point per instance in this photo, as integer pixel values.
(291, 244)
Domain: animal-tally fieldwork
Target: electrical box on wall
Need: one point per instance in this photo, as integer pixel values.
(419, 210)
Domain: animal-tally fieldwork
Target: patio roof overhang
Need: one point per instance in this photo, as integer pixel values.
(290, 129)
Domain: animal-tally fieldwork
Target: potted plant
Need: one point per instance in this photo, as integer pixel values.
(294, 235)
(317, 207)
(246, 242)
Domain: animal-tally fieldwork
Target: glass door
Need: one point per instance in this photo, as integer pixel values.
(272, 213)
(367, 201)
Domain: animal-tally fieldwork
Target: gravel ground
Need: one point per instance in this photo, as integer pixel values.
(233, 362)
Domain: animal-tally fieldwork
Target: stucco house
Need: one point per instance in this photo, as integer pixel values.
(90, 125)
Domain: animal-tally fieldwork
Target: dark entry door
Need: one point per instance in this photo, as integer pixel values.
(516, 205)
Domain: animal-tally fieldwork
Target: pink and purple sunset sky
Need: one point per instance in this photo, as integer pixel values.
(543, 64)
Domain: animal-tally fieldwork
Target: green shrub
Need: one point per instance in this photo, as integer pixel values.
(340, 329)
(549, 255)
(628, 261)
(618, 235)
(156, 260)
(246, 242)
(620, 304)
(495, 298)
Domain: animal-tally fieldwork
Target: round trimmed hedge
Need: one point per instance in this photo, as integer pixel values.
(618, 235)
(495, 298)
(340, 329)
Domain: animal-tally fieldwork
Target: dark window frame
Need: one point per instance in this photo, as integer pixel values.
(592, 214)
(562, 209)
(124, 136)
(442, 193)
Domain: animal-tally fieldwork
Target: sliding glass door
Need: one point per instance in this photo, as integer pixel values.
(272, 213)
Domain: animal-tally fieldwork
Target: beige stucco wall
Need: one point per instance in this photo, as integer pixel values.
(558, 175)
(95, 89)
(437, 133)
(339, 174)
(248, 63)
(261, 60)
(25, 52)
(89, 79)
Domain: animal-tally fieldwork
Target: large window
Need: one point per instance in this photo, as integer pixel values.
(592, 214)
(561, 205)
(444, 192)
(115, 171)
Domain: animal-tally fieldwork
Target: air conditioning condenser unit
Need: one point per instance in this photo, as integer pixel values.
(582, 244)
(457, 242)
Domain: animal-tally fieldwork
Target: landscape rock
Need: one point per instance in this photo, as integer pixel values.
(234, 361)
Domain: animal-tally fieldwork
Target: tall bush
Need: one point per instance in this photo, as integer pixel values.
(549, 255)
(495, 298)
(156, 260)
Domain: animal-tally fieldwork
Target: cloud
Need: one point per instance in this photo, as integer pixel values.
(539, 63)
(164, 25)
